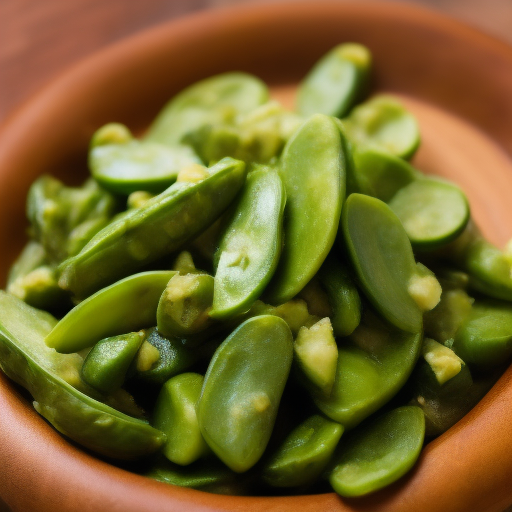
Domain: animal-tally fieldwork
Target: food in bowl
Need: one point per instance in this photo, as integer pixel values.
(252, 299)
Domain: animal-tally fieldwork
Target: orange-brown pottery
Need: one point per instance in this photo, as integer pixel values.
(457, 81)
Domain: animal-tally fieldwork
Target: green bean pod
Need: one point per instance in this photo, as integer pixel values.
(175, 415)
(250, 245)
(336, 82)
(304, 454)
(211, 101)
(380, 453)
(313, 168)
(143, 235)
(242, 390)
(49, 377)
(373, 365)
(126, 306)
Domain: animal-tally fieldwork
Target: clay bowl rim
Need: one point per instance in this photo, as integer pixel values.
(21, 428)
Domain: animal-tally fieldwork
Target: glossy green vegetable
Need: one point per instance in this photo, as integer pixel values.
(243, 388)
(342, 294)
(213, 100)
(380, 453)
(162, 225)
(175, 415)
(336, 82)
(205, 475)
(63, 219)
(380, 173)
(433, 212)
(32, 256)
(485, 339)
(313, 173)
(169, 357)
(49, 377)
(129, 165)
(489, 268)
(106, 364)
(185, 304)
(373, 364)
(382, 258)
(126, 306)
(250, 245)
(304, 454)
(382, 121)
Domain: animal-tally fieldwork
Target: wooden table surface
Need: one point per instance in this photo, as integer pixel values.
(41, 38)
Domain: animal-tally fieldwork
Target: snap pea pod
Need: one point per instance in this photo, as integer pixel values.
(304, 454)
(242, 390)
(373, 365)
(143, 235)
(380, 173)
(484, 340)
(210, 101)
(313, 172)
(170, 359)
(175, 415)
(32, 256)
(205, 475)
(62, 218)
(380, 453)
(489, 268)
(124, 165)
(382, 257)
(125, 306)
(106, 365)
(250, 246)
(336, 82)
(47, 376)
(342, 295)
(382, 121)
(183, 309)
(433, 212)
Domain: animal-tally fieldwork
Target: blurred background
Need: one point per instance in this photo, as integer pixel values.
(40, 39)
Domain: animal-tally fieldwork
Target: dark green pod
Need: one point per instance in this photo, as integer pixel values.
(336, 82)
(162, 225)
(242, 390)
(250, 245)
(313, 172)
(379, 453)
(50, 378)
(304, 454)
(125, 306)
(175, 415)
(106, 364)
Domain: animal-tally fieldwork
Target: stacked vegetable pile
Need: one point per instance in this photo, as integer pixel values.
(252, 298)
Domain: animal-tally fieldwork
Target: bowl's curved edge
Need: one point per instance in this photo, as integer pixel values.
(95, 485)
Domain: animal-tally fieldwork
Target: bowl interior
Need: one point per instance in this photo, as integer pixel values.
(456, 81)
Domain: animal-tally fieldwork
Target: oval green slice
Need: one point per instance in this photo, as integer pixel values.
(313, 167)
(242, 390)
(127, 168)
(335, 82)
(214, 100)
(381, 174)
(433, 212)
(380, 453)
(304, 454)
(382, 257)
(384, 122)
(126, 306)
(250, 245)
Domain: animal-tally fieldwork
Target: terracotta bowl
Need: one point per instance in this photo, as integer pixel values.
(456, 80)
